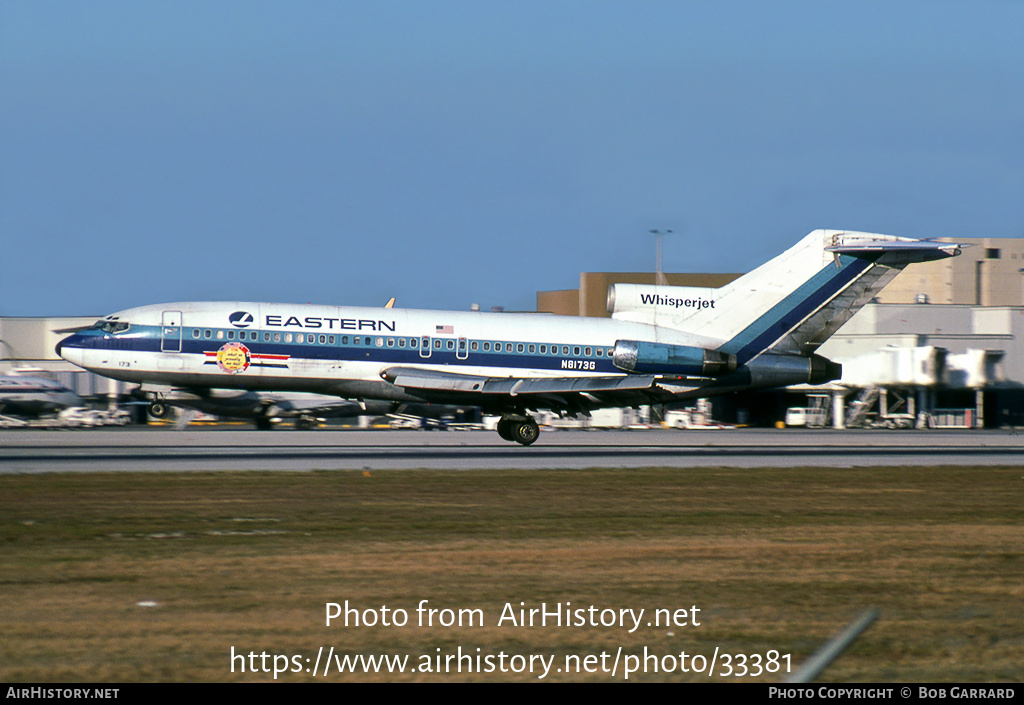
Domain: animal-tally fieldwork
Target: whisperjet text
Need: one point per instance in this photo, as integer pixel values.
(329, 323)
(655, 300)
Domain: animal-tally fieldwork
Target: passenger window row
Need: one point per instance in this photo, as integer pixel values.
(487, 346)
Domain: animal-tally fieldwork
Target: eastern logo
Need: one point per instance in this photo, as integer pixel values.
(241, 319)
(233, 358)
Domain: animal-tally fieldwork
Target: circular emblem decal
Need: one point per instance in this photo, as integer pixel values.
(233, 358)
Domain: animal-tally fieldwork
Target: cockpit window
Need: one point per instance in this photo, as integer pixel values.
(112, 327)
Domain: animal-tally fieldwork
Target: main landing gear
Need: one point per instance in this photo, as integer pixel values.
(519, 428)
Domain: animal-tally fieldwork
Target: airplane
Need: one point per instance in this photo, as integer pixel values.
(663, 344)
(29, 394)
(264, 408)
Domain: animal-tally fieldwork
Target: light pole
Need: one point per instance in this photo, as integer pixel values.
(659, 274)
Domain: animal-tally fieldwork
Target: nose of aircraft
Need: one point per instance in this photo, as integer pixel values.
(71, 353)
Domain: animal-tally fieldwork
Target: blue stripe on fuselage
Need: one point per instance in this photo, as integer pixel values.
(786, 314)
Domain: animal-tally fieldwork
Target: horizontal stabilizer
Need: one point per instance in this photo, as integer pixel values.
(924, 250)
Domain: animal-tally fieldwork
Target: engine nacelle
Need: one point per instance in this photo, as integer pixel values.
(660, 358)
(770, 370)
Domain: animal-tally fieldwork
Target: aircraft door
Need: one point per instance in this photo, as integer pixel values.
(425, 346)
(170, 332)
(462, 349)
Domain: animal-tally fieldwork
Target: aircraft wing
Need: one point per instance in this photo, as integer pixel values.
(569, 393)
(415, 378)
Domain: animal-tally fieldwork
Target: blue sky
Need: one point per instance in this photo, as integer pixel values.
(456, 152)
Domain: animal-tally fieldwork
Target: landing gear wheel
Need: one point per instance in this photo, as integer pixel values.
(157, 410)
(525, 432)
(264, 423)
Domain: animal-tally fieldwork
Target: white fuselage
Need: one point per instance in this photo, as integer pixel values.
(344, 350)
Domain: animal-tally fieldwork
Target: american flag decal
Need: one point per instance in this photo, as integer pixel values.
(444, 329)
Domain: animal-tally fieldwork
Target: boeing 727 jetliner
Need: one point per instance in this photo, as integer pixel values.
(663, 344)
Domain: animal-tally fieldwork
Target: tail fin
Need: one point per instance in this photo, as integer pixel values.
(789, 305)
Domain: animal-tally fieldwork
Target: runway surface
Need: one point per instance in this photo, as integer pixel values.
(163, 449)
